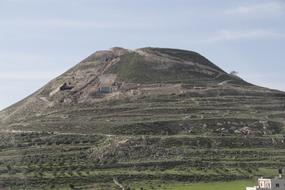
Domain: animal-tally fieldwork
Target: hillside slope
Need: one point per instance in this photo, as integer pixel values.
(143, 115)
(127, 75)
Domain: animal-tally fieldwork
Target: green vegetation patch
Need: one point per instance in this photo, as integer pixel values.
(134, 68)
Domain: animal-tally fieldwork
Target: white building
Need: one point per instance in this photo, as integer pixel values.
(269, 184)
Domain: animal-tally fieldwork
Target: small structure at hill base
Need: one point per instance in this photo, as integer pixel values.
(277, 183)
(105, 89)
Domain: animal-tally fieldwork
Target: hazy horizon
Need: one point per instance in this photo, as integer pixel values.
(42, 39)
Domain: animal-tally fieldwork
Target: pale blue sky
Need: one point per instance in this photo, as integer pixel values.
(39, 39)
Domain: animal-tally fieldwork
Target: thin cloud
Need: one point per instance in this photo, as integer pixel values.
(266, 9)
(27, 1)
(230, 35)
(57, 23)
(26, 76)
(69, 23)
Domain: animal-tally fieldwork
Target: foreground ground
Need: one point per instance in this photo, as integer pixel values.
(71, 161)
(232, 185)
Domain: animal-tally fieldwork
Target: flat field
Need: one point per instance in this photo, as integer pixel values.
(235, 185)
(232, 185)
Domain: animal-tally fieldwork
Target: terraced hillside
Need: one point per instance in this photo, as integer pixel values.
(149, 116)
